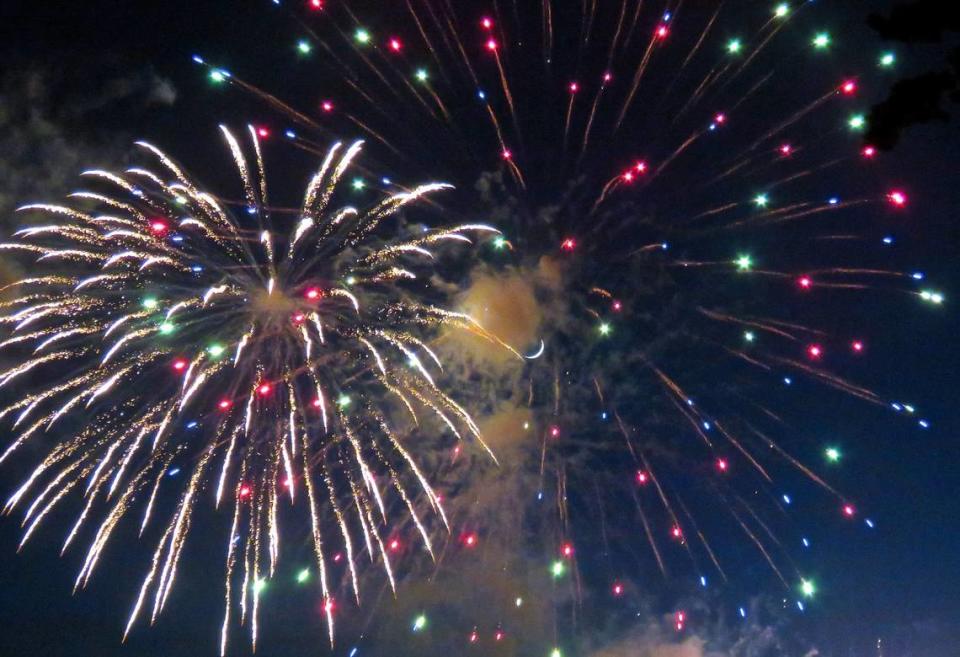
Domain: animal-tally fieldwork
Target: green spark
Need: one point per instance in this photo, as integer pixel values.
(808, 588)
(217, 76)
(216, 350)
(605, 329)
(761, 200)
(887, 60)
(343, 401)
(303, 576)
(150, 303)
(557, 569)
(304, 47)
(749, 336)
(359, 184)
(833, 454)
(362, 36)
(734, 46)
(419, 623)
(821, 40)
(422, 75)
(857, 122)
(166, 328)
(744, 262)
(781, 10)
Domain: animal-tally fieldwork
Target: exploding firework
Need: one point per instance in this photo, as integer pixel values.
(197, 348)
(676, 188)
(673, 195)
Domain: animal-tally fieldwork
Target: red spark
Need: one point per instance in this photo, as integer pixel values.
(617, 306)
(815, 351)
(179, 364)
(849, 87)
(662, 32)
(868, 152)
(628, 176)
(574, 87)
(327, 106)
(486, 23)
(786, 149)
(849, 511)
(470, 540)
(897, 198)
(642, 477)
(676, 532)
(857, 346)
(263, 132)
(805, 282)
(722, 465)
(567, 550)
(498, 636)
(492, 45)
(396, 45)
(618, 589)
(313, 293)
(224, 404)
(568, 244)
(554, 431)
(720, 118)
(329, 605)
(317, 5)
(244, 491)
(506, 154)
(394, 545)
(158, 226)
(264, 389)
(607, 77)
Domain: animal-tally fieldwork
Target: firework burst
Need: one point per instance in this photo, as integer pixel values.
(684, 195)
(202, 353)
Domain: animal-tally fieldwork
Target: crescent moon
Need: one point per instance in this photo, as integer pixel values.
(539, 352)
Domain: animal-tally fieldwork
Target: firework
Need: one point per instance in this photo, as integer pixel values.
(687, 190)
(674, 199)
(203, 353)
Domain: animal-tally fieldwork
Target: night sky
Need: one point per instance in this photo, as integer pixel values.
(81, 81)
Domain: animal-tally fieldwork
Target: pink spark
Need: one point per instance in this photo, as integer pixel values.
(897, 198)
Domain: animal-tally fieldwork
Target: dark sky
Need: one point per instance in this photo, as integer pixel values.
(81, 79)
